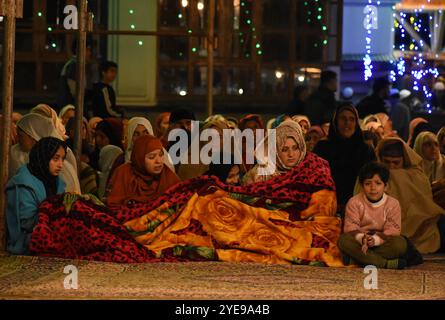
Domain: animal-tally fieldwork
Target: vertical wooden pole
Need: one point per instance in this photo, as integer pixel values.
(10, 9)
(210, 48)
(80, 88)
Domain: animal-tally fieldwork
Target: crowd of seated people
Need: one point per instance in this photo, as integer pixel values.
(388, 193)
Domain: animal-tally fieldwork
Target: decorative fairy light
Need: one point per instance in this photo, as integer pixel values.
(367, 60)
(420, 70)
(314, 13)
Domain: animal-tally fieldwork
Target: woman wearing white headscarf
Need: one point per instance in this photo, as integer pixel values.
(289, 136)
(133, 124)
(107, 158)
(31, 128)
(132, 135)
(303, 121)
(46, 111)
(427, 146)
(66, 113)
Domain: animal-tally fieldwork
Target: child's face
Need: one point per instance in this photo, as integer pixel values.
(56, 163)
(374, 188)
(110, 75)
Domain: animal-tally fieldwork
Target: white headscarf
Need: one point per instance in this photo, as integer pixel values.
(65, 109)
(46, 111)
(132, 124)
(287, 129)
(107, 157)
(38, 127)
(435, 170)
(300, 117)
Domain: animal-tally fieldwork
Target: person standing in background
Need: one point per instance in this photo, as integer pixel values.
(103, 95)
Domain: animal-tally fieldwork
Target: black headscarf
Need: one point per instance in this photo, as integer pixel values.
(39, 157)
(346, 156)
(113, 129)
(334, 135)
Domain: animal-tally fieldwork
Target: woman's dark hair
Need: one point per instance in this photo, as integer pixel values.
(113, 129)
(106, 65)
(40, 156)
(373, 168)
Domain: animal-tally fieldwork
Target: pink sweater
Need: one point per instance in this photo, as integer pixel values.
(383, 218)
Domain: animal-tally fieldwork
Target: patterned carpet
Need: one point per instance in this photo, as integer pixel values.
(42, 278)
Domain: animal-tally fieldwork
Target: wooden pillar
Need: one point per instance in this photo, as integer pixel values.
(83, 25)
(10, 9)
(210, 49)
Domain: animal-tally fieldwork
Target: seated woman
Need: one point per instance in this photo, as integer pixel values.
(291, 151)
(31, 128)
(427, 146)
(373, 223)
(313, 135)
(108, 131)
(67, 113)
(32, 184)
(46, 111)
(137, 127)
(145, 178)
(411, 187)
(108, 159)
(346, 152)
(303, 121)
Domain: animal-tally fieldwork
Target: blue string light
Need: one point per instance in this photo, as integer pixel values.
(419, 72)
(367, 60)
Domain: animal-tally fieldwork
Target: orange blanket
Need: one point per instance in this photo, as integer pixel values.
(218, 227)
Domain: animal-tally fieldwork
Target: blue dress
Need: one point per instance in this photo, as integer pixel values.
(24, 194)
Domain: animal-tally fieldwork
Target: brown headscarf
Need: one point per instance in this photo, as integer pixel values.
(131, 182)
(411, 187)
(412, 125)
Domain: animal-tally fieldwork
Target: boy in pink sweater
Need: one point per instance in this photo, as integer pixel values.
(372, 223)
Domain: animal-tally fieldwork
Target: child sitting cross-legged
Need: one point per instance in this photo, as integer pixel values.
(373, 223)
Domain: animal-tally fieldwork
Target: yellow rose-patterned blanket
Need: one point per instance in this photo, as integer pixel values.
(222, 226)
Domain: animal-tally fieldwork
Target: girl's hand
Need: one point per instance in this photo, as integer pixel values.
(365, 244)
